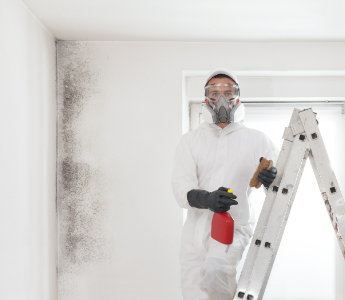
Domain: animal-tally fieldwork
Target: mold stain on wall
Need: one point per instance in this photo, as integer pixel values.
(79, 193)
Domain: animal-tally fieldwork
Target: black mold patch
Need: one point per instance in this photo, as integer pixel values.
(79, 202)
(81, 212)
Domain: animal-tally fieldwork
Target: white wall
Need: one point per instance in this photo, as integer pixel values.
(27, 156)
(127, 130)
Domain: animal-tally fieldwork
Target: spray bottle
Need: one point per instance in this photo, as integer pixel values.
(222, 228)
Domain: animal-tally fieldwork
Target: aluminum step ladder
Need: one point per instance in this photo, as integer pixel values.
(302, 140)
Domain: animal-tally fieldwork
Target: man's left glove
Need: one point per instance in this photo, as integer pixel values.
(266, 177)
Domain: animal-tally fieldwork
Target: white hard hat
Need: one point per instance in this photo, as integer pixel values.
(224, 71)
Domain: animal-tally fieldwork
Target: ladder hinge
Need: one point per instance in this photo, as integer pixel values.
(288, 134)
(297, 127)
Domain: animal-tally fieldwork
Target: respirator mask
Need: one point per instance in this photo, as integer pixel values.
(225, 105)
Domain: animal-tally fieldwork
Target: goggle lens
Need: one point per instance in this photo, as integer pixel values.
(230, 92)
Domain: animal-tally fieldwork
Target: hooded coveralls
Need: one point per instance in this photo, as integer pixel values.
(208, 158)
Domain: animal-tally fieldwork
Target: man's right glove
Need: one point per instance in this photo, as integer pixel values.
(218, 201)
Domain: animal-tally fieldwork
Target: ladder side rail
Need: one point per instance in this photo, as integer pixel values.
(334, 220)
(278, 217)
(267, 206)
(323, 171)
(268, 273)
(316, 173)
(264, 217)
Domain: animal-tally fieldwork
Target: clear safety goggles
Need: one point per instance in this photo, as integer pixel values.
(229, 91)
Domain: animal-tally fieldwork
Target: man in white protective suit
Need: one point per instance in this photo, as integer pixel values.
(222, 152)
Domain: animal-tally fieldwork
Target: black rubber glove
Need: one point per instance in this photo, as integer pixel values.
(218, 201)
(266, 177)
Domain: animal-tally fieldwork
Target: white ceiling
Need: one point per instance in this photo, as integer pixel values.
(192, 20)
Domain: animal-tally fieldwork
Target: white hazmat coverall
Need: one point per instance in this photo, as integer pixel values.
(208, 158)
